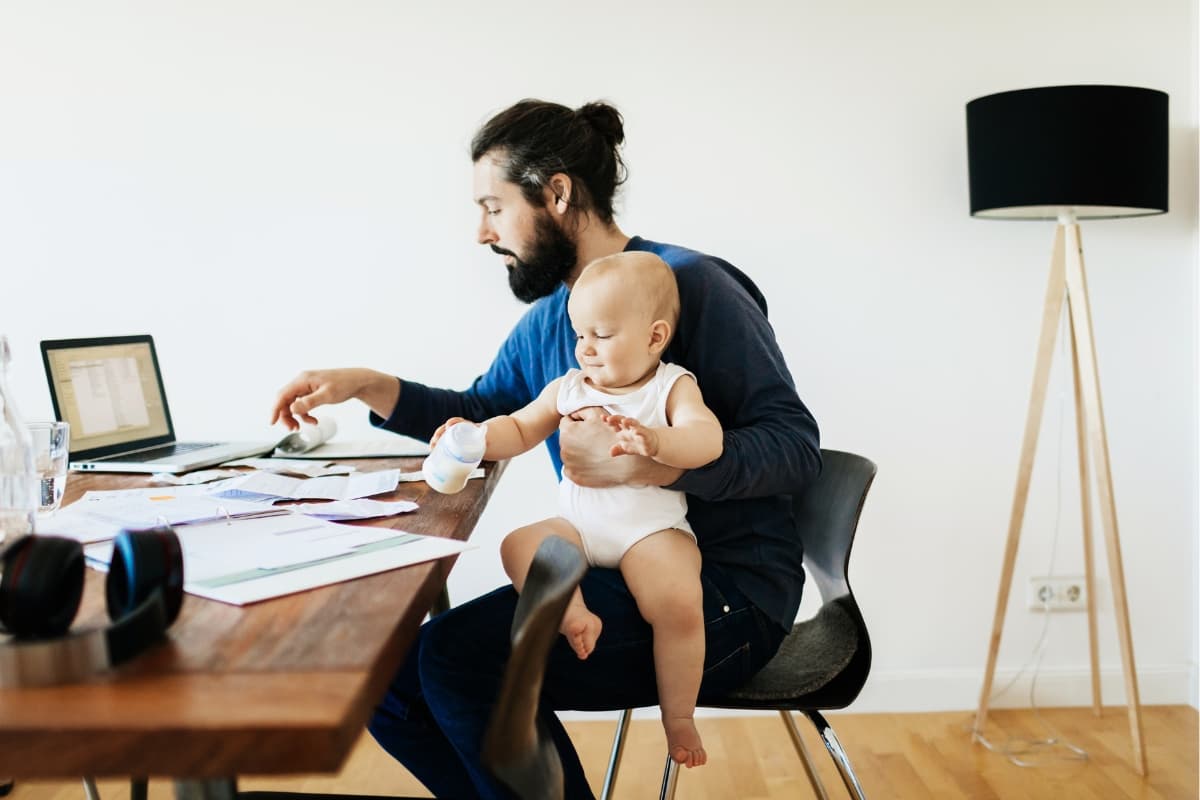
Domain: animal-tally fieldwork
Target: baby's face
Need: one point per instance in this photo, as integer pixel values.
(612, 336)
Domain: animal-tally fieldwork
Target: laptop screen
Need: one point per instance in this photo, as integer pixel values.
(111, 393)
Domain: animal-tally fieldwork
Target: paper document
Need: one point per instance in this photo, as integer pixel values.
(244, 561)
(294, 466)
(267, 486)
(409, 477)
(402, 447)
(102, 515)
(313, 441)
(192, 478)
(354, 509)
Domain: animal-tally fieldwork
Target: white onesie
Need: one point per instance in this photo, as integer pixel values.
(612, 520)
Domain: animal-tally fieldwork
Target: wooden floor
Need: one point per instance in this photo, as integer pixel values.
(895, 756)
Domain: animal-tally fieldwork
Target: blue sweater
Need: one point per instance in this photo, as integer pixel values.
(740, 504)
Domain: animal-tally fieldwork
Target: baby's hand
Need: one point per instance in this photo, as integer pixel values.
(633, 438)
(442, 429)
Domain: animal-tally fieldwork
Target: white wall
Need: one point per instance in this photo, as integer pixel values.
(272, 186)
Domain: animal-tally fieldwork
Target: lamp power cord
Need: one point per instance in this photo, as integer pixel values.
(1054, 748)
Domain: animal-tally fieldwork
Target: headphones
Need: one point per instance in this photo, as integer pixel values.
(40, 591)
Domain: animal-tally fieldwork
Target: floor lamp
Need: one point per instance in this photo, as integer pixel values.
(1069, 153)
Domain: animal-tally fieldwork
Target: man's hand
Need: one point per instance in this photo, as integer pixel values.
(588, 412)
(586, 449)
(313, 388)
(633, 438)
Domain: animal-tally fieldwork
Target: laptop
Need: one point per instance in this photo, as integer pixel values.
(111, 392)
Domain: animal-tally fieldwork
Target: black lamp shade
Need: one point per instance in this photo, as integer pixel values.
(1100, 151)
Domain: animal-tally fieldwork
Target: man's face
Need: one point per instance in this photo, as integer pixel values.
(537, 252)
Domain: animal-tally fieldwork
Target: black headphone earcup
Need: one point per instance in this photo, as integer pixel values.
(143, 561)
(41, 586)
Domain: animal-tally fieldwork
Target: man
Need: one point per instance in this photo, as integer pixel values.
(545, 176)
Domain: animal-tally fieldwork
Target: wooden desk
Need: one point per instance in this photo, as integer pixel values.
(281, 686)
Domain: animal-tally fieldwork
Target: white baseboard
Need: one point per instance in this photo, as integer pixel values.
(953, 690)
(958, 690)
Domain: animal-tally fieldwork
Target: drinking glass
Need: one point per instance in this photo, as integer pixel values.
(51, 441)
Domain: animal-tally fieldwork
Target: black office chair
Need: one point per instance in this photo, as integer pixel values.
(516, 747)
(823, 663)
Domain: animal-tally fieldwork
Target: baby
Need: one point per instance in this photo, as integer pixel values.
(624, 309)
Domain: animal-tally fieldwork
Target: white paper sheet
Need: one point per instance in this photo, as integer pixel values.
(354, 509)
(409, 477)
(102, 515)
(192, 478)
(269, 486)
(401, 447)
(244, 561)
(294, 466)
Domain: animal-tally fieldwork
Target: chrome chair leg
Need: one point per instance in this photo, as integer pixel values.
(805, 758)
(90, 790)
(614, 758)
(670, 778)
(839, 755)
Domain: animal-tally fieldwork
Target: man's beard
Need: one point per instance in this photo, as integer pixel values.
(549, 263)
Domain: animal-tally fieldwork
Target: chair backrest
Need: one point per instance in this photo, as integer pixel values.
(517, 746)
(827, 513)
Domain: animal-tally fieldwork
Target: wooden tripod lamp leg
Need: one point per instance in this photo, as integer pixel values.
(1082, 325)
(1051, 313)
(1085, 482)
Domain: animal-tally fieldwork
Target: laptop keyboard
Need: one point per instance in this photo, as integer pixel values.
(179, 448)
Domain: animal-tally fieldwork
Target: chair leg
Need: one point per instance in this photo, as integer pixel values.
(206, 789)
(839, 755)
(90, 790)
(670, 778)
(441, 603)
(805, 758)
(614, 758)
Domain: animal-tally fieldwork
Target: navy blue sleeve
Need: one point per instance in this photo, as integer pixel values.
(772, 445)
(501, 390)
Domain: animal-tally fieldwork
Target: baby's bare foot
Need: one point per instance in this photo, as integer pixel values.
(683, 742)
(582, 629)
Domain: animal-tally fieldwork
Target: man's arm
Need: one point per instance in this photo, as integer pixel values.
(772, 445)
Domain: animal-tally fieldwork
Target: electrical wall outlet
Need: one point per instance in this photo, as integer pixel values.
(1057, 593)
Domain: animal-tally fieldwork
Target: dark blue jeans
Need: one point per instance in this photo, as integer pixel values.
(433, 717)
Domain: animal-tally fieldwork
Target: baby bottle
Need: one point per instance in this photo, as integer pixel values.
(456, 455)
